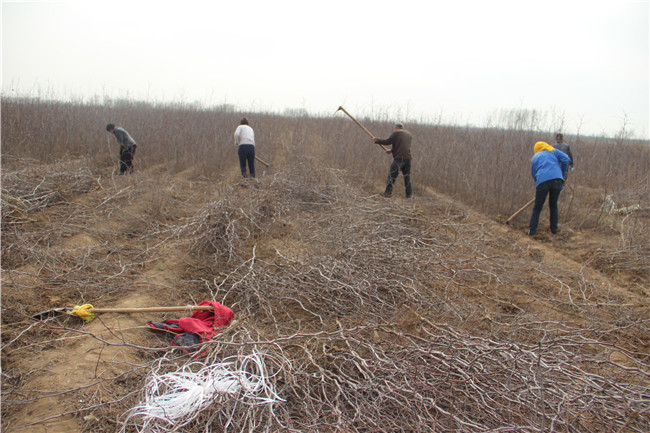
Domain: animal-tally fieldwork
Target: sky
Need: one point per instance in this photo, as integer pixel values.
(583, 66)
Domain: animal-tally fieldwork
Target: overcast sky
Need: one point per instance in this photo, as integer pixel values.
(585, 62)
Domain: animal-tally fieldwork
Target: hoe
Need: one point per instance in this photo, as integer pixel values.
(362, 127)
(523, 208)
(266, 164)
(87, 312)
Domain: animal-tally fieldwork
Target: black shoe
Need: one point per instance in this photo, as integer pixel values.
(387, 195)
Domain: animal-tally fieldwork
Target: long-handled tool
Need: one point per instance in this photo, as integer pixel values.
(263, 162)
(523, 208)
(362, 127)
(266, 164)
(87, 312)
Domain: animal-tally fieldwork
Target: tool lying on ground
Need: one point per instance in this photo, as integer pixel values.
(362, 127)
(87, 312)
(523, 208)
(267, 165)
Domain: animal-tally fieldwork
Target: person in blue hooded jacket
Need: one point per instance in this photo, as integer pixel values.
(548, 167)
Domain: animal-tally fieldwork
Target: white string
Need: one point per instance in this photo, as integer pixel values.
(172, 400)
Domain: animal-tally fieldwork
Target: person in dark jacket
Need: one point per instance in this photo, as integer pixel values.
(561, 145)
(548, 168)
(127, 147)
(400, 140)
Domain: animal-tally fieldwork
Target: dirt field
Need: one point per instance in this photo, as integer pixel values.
(376, 314)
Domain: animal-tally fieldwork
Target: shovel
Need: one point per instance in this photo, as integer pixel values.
(87, 312)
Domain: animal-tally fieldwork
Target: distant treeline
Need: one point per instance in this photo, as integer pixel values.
(487, 168)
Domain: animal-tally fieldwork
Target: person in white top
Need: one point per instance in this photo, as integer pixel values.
(245, 140)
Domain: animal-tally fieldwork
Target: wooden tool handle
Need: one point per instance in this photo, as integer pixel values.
(523, 208)
(355, 121)
(152, 309)
(263, 162)
(362, 127)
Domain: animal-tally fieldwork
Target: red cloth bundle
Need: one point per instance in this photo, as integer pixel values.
(198, 328)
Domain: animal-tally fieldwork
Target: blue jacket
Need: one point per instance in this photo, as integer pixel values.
(547, 165)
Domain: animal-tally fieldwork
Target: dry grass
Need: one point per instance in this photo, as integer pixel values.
(487, 167)
(374, 315)
(349, 320)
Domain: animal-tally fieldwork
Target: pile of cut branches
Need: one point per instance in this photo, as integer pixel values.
(391, 319)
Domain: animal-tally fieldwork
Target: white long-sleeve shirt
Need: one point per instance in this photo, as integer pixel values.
(244, 135)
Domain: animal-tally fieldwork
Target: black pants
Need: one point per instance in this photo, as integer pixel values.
(246, 154)
(552, 188)
(126, 160)
(405, 166)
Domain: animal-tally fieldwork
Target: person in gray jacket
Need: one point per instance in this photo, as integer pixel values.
(127, 147)
(561, 145)
(400, 139)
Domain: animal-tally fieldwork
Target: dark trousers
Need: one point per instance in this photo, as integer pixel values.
(403, 165)
(126, 160)
(246, 154)
(552, 188)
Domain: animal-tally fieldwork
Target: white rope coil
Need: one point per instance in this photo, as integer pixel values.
(172, 400)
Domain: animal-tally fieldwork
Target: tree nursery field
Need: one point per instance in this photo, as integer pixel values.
(352, 312)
